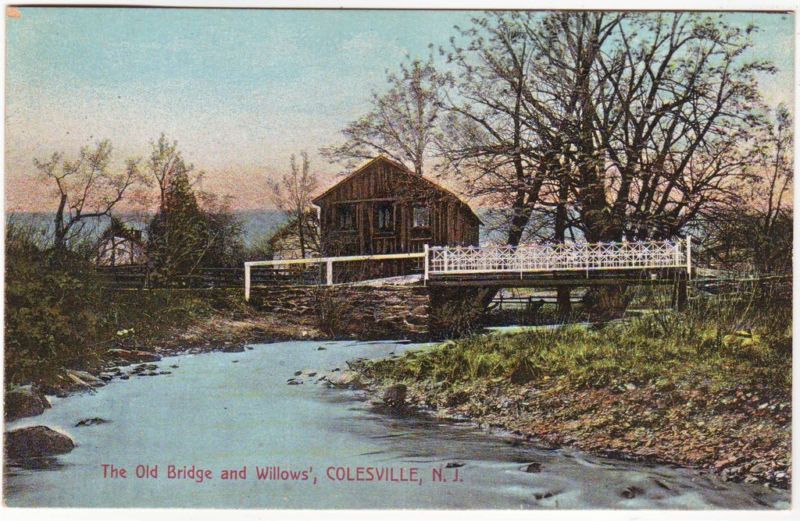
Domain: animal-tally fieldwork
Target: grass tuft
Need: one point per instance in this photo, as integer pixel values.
(713, 343)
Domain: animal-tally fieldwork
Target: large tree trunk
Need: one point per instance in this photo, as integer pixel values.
(606, 302)
(563, 292)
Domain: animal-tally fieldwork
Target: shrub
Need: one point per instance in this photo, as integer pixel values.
(53, 308)
(331, 311)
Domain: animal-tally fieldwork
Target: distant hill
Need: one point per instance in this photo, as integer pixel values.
(259, 222)
(255, 222)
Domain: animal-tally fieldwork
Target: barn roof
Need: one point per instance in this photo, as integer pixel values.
(402, 168)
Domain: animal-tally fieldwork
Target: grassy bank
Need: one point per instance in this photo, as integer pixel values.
(710, 387)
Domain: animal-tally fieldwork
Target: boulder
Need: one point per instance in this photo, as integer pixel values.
(22, 402)
(631, 492)
(233, 349)
(395, 395)
(36, 442)
(417, 320)
(349, 379)
(420, 310)
(134, 356)
(82, 377)
(91, 421)
(57, 384)
(533, 468)
(75, 383)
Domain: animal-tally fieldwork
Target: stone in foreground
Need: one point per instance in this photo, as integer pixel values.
(395, 396)
(22, 402)
(36, 442)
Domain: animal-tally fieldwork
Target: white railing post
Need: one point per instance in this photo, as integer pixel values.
(689, 255)
(425, 263)
(445, 259)
(247, 281)
(585, 249)
(329, 272)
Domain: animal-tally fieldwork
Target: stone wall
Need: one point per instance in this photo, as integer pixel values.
(363, 312)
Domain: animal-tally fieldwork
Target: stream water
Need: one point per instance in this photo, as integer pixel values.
(221, 411)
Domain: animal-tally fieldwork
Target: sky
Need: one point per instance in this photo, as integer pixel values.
(240, 90)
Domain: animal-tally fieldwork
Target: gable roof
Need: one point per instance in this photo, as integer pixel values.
(402, 168)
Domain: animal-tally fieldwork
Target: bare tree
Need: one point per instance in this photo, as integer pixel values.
(755, 233)
(664, 102)
(165, 162)
(621, 125)
(485, 140)
(86, 188)
(603, 125)
(776, 152)
(292, 195)
(400, 124)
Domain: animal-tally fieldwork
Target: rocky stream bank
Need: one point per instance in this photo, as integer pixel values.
(740, 435)
(282, 314)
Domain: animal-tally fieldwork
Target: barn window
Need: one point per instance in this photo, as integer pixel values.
(422, 217)
(346, 217)
(384, 217)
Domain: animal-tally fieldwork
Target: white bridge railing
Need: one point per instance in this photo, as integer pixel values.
(441, 261)
(458, 260)
(320, 261)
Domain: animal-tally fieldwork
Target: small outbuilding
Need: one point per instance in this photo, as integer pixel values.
(383, 207)
(120, 245)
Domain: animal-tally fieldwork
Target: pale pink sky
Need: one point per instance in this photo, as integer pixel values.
(241, 90)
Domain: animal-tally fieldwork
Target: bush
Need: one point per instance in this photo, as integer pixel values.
(54, 308)
(331, 311)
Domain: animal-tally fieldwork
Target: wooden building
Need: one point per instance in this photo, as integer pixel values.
(120, 245)
(383, 207)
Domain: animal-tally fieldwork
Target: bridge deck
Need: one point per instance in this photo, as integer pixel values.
(560, 279)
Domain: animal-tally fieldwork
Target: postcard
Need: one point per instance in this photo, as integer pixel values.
(398, 259)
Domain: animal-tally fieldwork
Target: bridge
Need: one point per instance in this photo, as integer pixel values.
(540, 265)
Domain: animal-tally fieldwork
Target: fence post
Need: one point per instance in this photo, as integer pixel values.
(425, 264)
(446, 250)
(247, 281)
(329, 272)
(689, 255)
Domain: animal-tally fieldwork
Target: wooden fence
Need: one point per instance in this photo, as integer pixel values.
(139, 277)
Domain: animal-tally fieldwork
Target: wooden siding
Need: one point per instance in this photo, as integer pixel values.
(381, 182)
